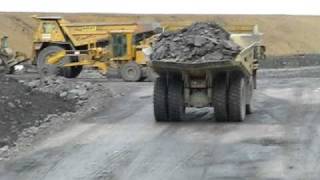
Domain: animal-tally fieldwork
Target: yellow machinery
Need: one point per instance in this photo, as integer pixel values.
(226, 85)
(63, 48)
(8, 58)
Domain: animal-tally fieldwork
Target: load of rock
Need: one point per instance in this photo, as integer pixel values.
(199, 42)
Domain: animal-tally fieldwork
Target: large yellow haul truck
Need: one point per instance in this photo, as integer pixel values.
(225, 85)
(64, 48)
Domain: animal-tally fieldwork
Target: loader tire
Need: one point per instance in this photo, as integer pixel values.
(71, 72)
(176, 107)
(10, 70)
(4, 67)
(220, 99)
(237, 98)
(45, 69)
(131, 72)
(160, 99)
(151, 75)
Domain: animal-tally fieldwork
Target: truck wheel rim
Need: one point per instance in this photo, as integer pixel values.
(131, 73)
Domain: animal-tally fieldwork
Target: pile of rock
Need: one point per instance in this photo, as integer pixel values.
(199, 42)
(65, 88)
(39, 106)
(21, 108)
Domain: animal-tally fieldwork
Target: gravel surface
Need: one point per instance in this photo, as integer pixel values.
(199, 42)
(122, 140)
(290, 61)
(313, 71)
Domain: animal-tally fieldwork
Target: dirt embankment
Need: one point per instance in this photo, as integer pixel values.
(22, 107)
(33, 108)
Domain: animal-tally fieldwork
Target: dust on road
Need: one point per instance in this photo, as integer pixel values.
(122, 141)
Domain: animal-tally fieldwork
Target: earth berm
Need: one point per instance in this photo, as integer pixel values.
(30, 108)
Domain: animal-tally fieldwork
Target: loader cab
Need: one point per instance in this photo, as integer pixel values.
(119, 45)
(128, 45)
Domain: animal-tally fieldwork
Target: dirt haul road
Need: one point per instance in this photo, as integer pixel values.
(279, 141)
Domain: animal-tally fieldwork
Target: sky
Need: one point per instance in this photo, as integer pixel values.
(291, 7)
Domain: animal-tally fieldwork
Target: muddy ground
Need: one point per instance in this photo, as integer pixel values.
(122, 140)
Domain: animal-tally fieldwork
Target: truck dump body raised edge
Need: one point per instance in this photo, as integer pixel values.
(161, 66)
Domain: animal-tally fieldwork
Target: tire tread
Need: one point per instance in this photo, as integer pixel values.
(160, 104)
(175, 98)
(234, 98)
(220, 98)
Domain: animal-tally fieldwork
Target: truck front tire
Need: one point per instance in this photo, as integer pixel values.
(45, 69)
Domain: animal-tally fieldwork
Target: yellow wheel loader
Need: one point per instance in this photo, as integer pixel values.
(64, 48)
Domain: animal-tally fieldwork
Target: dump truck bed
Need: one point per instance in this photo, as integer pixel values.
(243, 62)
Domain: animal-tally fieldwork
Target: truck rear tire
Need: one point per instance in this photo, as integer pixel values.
(160, 99)
(4, 67)
(249, 93)
(176, 107)
(219, 98)
(45, 69)
(237, 98)
(131, 72)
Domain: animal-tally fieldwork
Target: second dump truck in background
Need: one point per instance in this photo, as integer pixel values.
(64, 48)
